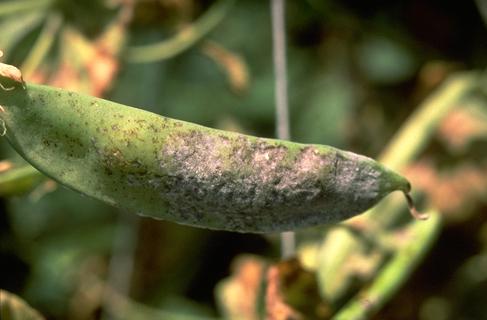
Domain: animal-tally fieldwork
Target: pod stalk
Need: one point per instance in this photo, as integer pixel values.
(412, 208)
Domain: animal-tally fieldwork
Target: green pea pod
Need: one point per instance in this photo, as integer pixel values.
(183, 172)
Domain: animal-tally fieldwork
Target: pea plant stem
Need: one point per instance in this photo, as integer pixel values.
(288, 244)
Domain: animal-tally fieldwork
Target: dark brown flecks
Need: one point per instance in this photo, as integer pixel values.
(153, 128)
(108, 171)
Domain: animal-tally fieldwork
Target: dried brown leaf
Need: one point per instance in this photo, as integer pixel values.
(102, 71)
(455, 192)
(463, 125)
(91, 66)
(293, 293)
(6, 165)
(239, 294)
(276, 307)
(233, 65)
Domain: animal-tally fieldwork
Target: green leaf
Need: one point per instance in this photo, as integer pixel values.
(18, 27)
(19, 180)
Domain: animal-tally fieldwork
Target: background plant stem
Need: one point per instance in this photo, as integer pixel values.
(288, 241)
(421, 236)
(42, 45)
(16, 6)
(404, 147)
(184, 39)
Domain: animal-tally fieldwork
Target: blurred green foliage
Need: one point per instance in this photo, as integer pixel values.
(357, 70)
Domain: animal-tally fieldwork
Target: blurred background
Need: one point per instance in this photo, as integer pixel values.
(357, 72)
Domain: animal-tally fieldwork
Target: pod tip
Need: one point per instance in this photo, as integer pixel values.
(412, 208)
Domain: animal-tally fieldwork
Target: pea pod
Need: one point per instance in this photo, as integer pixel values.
(183, 172)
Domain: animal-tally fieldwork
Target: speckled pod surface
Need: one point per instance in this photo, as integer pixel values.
(183, 172)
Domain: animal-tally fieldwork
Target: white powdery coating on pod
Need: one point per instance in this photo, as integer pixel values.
(355, 178)
(257, 185)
